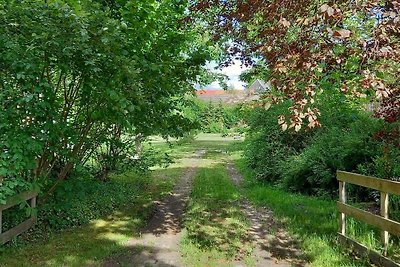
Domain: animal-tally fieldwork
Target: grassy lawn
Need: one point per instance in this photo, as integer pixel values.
(180, 149)
(90, 244)
(215, 227)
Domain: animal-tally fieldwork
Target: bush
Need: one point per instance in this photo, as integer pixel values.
(313, 170)
(307, 161)
(387, 164)
(267, 146)
(217, 118)
(77, 202)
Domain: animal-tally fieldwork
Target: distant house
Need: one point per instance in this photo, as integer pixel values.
(224, 96)
(234, 96)
(258, 87)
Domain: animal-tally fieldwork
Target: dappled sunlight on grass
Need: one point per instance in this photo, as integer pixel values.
(196, 256)
(83, 246)
(91, 243)
(215, 225)
(118, 228)
(68, 261)
(200, 162)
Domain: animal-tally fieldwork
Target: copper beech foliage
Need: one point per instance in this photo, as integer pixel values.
(312, 46)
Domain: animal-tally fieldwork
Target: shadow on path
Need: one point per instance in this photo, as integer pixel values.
(273, 246)
(158, 245)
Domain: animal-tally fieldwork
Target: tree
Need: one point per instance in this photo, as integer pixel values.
(313, 47)
(77, 75)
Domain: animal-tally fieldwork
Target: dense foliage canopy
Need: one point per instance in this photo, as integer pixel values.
(79, 77)
(331, 63)
(311, 47)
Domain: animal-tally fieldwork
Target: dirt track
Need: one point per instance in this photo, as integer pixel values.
(159, 242)
(273, 246)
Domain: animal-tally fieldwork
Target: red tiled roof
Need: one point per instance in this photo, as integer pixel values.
(225, 96)
(218, 92)
(210, 92)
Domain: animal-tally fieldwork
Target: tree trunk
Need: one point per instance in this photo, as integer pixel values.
(138, 145)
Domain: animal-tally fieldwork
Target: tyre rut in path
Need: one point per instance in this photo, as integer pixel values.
(159, 242)
(272, 244)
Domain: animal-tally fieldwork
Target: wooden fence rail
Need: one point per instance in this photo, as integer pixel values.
(22, 227)
(383, 222)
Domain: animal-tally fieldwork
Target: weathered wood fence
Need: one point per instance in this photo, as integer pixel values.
(22, 227)
(383, 222)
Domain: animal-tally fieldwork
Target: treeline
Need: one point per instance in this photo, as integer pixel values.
(83, 81)
(218, 117)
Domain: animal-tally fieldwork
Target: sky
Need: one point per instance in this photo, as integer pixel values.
(232, 72)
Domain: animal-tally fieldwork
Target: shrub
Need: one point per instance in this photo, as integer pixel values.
(77, 202)
(217, 117)
(267, 146)
(81, 199)
(307, 161)
(313, 170)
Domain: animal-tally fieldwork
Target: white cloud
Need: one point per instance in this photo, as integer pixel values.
(213, 86)
(233, 71)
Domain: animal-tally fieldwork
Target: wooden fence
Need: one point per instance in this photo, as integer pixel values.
(383, 222)
(22, 227)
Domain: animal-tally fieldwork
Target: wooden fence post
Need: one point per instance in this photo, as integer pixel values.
(342, 198)
(30, 196)
(385, 214)
(381, 221)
